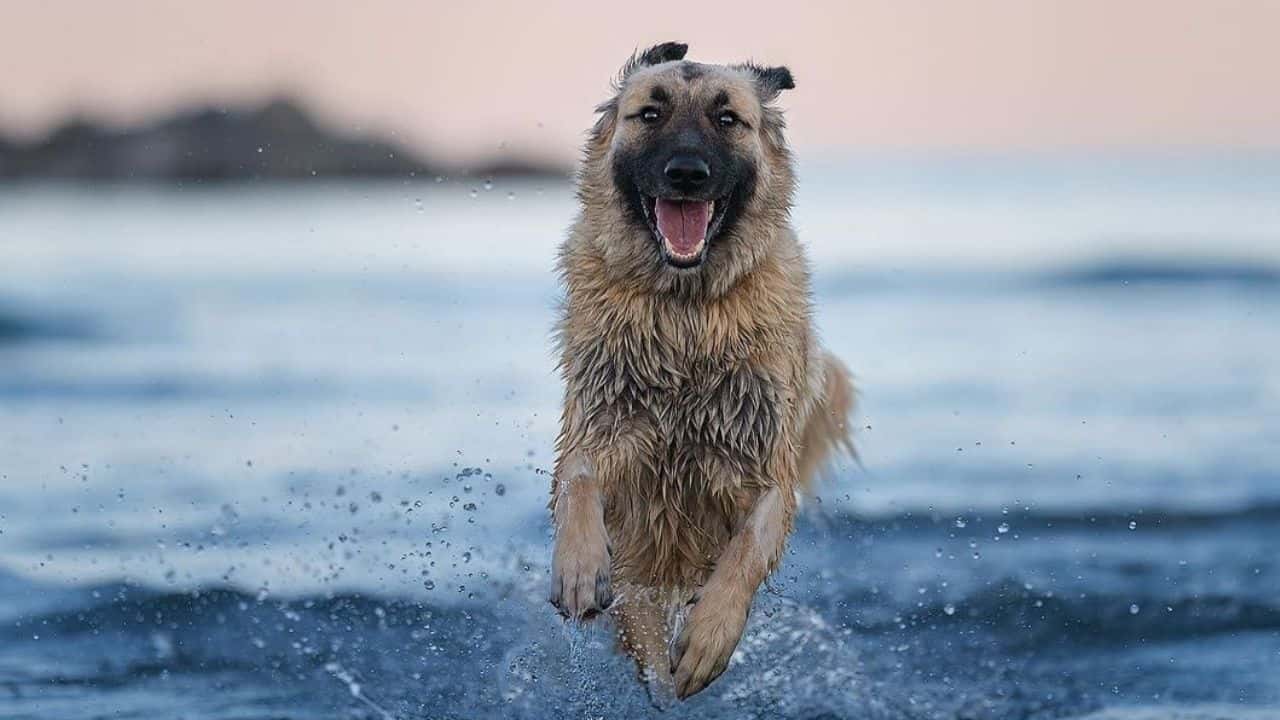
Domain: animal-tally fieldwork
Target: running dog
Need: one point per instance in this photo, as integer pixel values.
(698, 403)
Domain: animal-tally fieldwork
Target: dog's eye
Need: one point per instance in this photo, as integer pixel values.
(650, 115)
(727, 119)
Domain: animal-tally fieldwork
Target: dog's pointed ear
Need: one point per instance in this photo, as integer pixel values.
(771, 81)
(664, 52)
(656, 55)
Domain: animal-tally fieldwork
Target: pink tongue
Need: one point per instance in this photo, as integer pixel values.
(683, 224)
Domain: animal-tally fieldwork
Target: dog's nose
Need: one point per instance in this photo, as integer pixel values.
(687, 171)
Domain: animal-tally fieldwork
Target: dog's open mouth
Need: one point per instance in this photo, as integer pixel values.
(683, 227)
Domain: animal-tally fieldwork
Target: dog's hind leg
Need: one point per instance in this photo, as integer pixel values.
(827, 428)
(718, 612)
(643, 633)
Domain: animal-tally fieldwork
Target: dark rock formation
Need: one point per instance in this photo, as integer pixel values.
(275, 141)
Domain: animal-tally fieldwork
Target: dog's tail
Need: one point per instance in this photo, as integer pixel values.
(828, 429)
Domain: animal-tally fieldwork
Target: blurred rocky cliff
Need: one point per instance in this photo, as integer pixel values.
(278, 140)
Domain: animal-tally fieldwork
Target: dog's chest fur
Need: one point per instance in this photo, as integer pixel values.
(682, 390)
(686, 408)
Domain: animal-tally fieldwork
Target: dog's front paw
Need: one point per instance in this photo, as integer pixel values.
(580, 571)
(701, 652)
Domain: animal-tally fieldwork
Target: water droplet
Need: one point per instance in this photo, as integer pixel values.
(500, 490)
(430, 584)
(1003, 528)
(960, 523)
(949, 609)
(1133, 525)
(1134, 609)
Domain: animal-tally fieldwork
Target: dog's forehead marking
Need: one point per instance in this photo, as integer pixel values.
(691, 70)
(719, 84)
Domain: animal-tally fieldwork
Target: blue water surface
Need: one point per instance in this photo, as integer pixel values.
(282, 452)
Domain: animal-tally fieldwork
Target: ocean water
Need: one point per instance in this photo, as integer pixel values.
(282, 451)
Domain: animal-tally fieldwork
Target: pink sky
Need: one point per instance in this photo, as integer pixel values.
(463, 78)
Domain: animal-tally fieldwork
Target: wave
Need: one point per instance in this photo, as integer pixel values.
(128, 606)
(1016, 613)
(1024, 618)
(1140, 272)
(344, 653)
(19, 325)
(1263, 514)
(1166, 273)
(317, 656)
(160, 387)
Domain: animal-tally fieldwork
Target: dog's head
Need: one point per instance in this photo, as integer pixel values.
(689, 167)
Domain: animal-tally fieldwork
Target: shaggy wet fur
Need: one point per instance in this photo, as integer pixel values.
(698, 403)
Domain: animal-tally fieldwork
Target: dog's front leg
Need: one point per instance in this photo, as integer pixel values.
(580, 565)
(715, 622)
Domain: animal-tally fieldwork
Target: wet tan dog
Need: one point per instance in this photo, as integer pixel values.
(697, 401)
